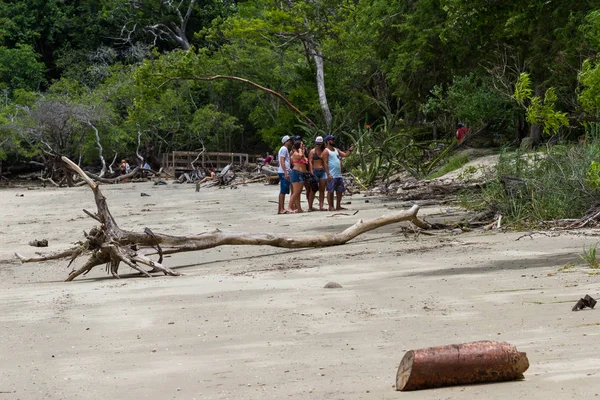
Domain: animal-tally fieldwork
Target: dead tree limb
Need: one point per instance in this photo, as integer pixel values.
(75, 251)
(110, 169)
(100, 150)
(108, 244)
(137, 149)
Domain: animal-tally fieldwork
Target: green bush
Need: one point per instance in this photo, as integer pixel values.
(454, 163)
(589, 256)
(528, 188)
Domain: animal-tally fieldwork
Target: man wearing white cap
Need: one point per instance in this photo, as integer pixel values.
(284, 172)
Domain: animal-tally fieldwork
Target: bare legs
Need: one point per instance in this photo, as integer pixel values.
(295, 197)
(311, 200)
(281, 204)
(338, 201)
(322, 184)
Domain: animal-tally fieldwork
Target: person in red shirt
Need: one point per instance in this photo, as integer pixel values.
(461, 132)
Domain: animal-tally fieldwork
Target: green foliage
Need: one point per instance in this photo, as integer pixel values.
(540, 111)
(589, 256)
(215, 129)
(472, 100)
(593, 175)
(528, 188)
(523, 90)
(20, 68)
(544, 113)
(376, 152)
(432, 62)
(589, 77)
(453, 163)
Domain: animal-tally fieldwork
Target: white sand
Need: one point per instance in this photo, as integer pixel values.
(256, 323)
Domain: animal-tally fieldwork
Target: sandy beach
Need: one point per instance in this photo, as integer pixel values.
(254, 322)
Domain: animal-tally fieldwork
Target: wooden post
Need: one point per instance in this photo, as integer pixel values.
(458, 364)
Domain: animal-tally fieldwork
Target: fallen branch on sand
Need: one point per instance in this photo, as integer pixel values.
(110, 245)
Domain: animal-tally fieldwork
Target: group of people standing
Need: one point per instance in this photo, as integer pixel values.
(316, 170)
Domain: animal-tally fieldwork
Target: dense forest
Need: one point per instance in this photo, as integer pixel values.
(393, 76)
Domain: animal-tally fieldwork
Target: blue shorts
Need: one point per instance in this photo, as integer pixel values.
(320, 173)
(284, 185)
(336, 185)
(296, 176)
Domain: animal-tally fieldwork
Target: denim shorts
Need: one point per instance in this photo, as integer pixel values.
(336, 185)
(284, 184)
(296, 176)
(320, 173)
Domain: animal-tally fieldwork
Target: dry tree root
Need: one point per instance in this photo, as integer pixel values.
(110, 245)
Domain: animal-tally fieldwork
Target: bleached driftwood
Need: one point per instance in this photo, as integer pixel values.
(108, 244)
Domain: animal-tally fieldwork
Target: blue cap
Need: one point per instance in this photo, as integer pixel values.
(297, 137)
(329, 137)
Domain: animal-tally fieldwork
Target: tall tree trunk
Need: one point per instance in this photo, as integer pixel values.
(317, 56)
(535, 133)
(535, 130)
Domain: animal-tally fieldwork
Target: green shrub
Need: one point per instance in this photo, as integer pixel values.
(552, 184)
(589, 256)
(454, 163)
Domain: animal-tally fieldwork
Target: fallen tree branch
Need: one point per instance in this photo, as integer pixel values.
(111, 245)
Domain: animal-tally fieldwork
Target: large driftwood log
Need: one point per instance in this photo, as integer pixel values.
(458, 364)
(111, 245)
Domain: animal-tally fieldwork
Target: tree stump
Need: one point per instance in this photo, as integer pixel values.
(458, 364)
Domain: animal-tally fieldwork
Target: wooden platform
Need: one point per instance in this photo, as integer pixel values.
(178, 162)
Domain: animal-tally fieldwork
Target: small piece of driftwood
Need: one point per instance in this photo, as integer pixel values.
(584, 302)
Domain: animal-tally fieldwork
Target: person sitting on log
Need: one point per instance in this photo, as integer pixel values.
(268, 160)
(125, 168)
(210, 176)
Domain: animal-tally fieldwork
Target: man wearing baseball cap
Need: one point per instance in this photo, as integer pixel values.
(284, 172)
(333, 168)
